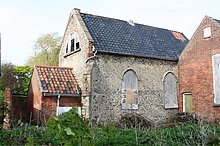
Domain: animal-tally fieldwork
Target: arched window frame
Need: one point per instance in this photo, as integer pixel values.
(129, 90)
(170, 93)
(73, 43)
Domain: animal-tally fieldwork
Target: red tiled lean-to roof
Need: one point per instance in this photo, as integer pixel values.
(57, 80)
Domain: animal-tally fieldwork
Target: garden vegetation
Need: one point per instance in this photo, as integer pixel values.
(70, 129)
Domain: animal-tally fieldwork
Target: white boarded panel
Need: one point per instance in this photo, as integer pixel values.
(129, 90)
(170, 91)
(130, 80)
(62, 110)
(216, 77)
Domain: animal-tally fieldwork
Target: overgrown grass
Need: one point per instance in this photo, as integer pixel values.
(191, 134)
(69, 129)
(195, 134)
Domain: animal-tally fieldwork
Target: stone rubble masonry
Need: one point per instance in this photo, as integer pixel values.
(195, 70)
(78, 59)
(107, 76)
(100, 79)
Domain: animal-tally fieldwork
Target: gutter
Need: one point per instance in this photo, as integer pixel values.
(142, 56)
(94, 55)
(65, 95)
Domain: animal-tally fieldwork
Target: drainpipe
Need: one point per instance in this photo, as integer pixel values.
(58, 104)
(91, 56)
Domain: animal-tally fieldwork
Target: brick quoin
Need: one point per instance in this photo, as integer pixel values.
(195, 70)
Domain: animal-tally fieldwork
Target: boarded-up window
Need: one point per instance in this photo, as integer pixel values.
(216, 77)
(170, 91)
(129, 90)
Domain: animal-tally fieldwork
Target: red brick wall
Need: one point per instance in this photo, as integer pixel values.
(8, 97)
(19, 106)
(90, 50)
(34, 98)
(49, 105)
(42, 108)
(195, 70)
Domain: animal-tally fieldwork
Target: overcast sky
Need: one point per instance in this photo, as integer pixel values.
(23, 21)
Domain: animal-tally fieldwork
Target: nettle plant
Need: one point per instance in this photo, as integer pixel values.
(69, 129)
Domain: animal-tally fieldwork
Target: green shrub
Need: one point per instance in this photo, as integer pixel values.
(190, 134)
(69, 129)
(20, 135)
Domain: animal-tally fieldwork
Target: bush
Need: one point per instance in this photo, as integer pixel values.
(134, 121)
(20, 135)
(69, 129)
(181, 135)
(181, 118)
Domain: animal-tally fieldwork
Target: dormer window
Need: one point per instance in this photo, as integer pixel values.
(207, 32)
(73, 43)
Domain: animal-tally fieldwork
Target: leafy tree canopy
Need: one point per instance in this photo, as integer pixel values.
(15, 77)
(46, 50)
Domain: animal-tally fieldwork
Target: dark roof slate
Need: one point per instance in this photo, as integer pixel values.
(118, 36)
(217, 21)
(57, 80)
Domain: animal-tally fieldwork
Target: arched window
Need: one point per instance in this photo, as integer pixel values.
(129, 90)
(170, 91)
(73, 43)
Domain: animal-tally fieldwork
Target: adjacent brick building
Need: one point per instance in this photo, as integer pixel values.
(199, 71)
(122, 67)
(17, 103)
(52, 90)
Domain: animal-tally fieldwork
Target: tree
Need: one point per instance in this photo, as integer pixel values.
(8, 77)
(23, 75)
(17, 78)
(46, 50)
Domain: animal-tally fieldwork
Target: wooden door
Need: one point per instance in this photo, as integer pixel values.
(187, 102)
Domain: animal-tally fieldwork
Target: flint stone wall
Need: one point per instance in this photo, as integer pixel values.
(107, 76)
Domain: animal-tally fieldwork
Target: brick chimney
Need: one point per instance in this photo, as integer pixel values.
(8, 97)
(8, 106)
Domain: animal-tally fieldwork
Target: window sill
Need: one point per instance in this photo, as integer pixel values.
(70, 53)
(129, 106)
(167, 108)
(216, 105)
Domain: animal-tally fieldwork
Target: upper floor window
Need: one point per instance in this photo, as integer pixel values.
(130, 90)
(170, 91)
(73, 43)
(207, 32)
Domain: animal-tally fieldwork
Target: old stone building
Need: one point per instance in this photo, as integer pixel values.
(199, 81)
(122, 67)
(52, 90)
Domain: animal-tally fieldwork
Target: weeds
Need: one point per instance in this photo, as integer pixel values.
(69, 129)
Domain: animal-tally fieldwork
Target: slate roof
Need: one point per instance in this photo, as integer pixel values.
(57, 80)
(118, 36)
(217, 21)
